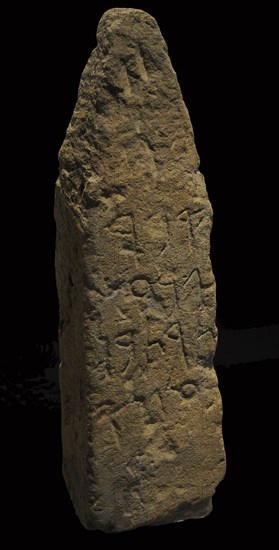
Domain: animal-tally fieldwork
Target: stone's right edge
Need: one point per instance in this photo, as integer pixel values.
(141, 409)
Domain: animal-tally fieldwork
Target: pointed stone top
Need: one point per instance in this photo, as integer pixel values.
(131, 25)
(127, 14)
(130, 121)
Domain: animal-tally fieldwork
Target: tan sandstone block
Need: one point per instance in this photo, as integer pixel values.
(141, 409)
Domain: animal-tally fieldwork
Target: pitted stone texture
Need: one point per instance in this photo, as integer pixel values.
(141, 410)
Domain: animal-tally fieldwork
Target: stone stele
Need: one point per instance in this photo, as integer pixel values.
(141, 409)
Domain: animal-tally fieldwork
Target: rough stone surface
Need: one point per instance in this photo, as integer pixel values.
(141, 410)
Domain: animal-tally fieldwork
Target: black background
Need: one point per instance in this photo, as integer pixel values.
(225, 59)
